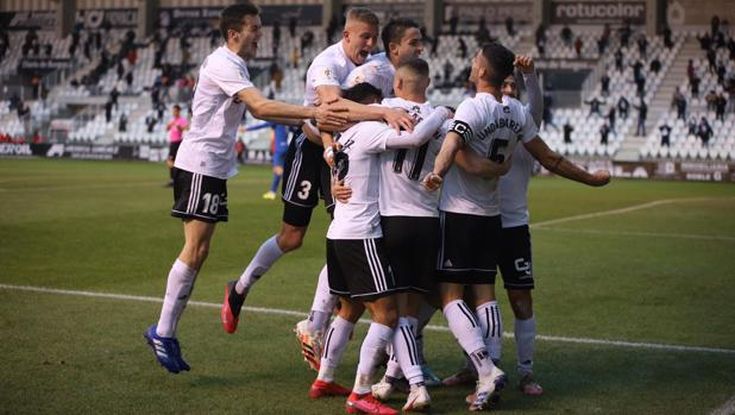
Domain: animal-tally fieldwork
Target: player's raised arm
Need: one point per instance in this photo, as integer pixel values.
(422, 133)
(557, 164)
(268, 109)
(535, 96)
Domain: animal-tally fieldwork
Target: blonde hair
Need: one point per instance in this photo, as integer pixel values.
(362, 14)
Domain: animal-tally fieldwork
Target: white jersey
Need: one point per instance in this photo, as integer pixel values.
(401, 171)
(513, 189)
(360, 217)
(378, 71)
(330, 67)
(208, 147)
(492, 129)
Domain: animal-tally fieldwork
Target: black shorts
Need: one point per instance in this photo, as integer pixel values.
(469, 248)
(411, 244)
(199, 197)
(358, 268)
(306, 176)
(173, 148)
(515, 258)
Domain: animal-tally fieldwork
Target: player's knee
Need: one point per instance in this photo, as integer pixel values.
(290, 239)
(387, 316)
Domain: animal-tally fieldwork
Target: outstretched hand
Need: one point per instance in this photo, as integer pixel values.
(524, 63)
(398, 119)
(600, 178)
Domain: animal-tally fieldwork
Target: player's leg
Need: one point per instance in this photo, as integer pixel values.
(201, 201)
(335, 343)
(517, 269)
(487, 311)
(465, 257)
(300, 196)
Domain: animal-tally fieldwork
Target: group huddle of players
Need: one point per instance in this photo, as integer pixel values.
(427, 203)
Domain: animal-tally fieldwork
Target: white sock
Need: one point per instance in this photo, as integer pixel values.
(406, 351)
(324, 303)
(335, 343)
(178, 289)
(525, 331)
(372, 350)
(393, 368)
(465, 328)
(267, 254)
(488, 315)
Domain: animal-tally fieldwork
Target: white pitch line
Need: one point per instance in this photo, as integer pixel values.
(628, 209)
(728, 408)
(652, 234)
(275, 311)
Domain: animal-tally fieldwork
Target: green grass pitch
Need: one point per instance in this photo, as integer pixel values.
(662, 272)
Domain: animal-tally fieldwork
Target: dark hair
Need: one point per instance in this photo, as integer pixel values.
(417, 66)
(363, 93)
(394, 31)
(231, 17)
(177, 107)
(500, 60)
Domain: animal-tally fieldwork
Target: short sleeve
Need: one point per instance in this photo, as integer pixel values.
(357, 76)
(465, 121)
(227, 75)
(323, 74)
(529, 131)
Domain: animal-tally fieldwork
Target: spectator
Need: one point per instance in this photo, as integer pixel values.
(108, 111)
(705, 42)
(150, 122)
(691, 74)
(566, 35)
(129, 80)
(594, 104)
(668, 42)
(120, 69)
(604, 133)
(692, 125)
(625, 32)
(720, 104)
(721, 72)
(241, 151)
(548, 115)
(114, 94)
(704, 131)
(619, 60)
(578, 44)
(123, 124)
(715, 25)
(680, 102)
(640, 84)
(453, 21)
(448, 69)
(605, 85)
(623, 106)
(611, 117)
(435, 46)
(509, 26)
(665, 135)
(637, 70)
(643, 46)
(710, 99)
(642, 114)
(483, 34)
(307, 39)
(462, 48)
(694, 85)
(655, 65)
(568, 132)
(331, 28)
(292, 22)
(712, 60)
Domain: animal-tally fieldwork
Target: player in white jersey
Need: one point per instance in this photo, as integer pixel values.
(206, 159)
(402, 40)
(515, 252)
(356, 257)
(491, 125)
(305, 171)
